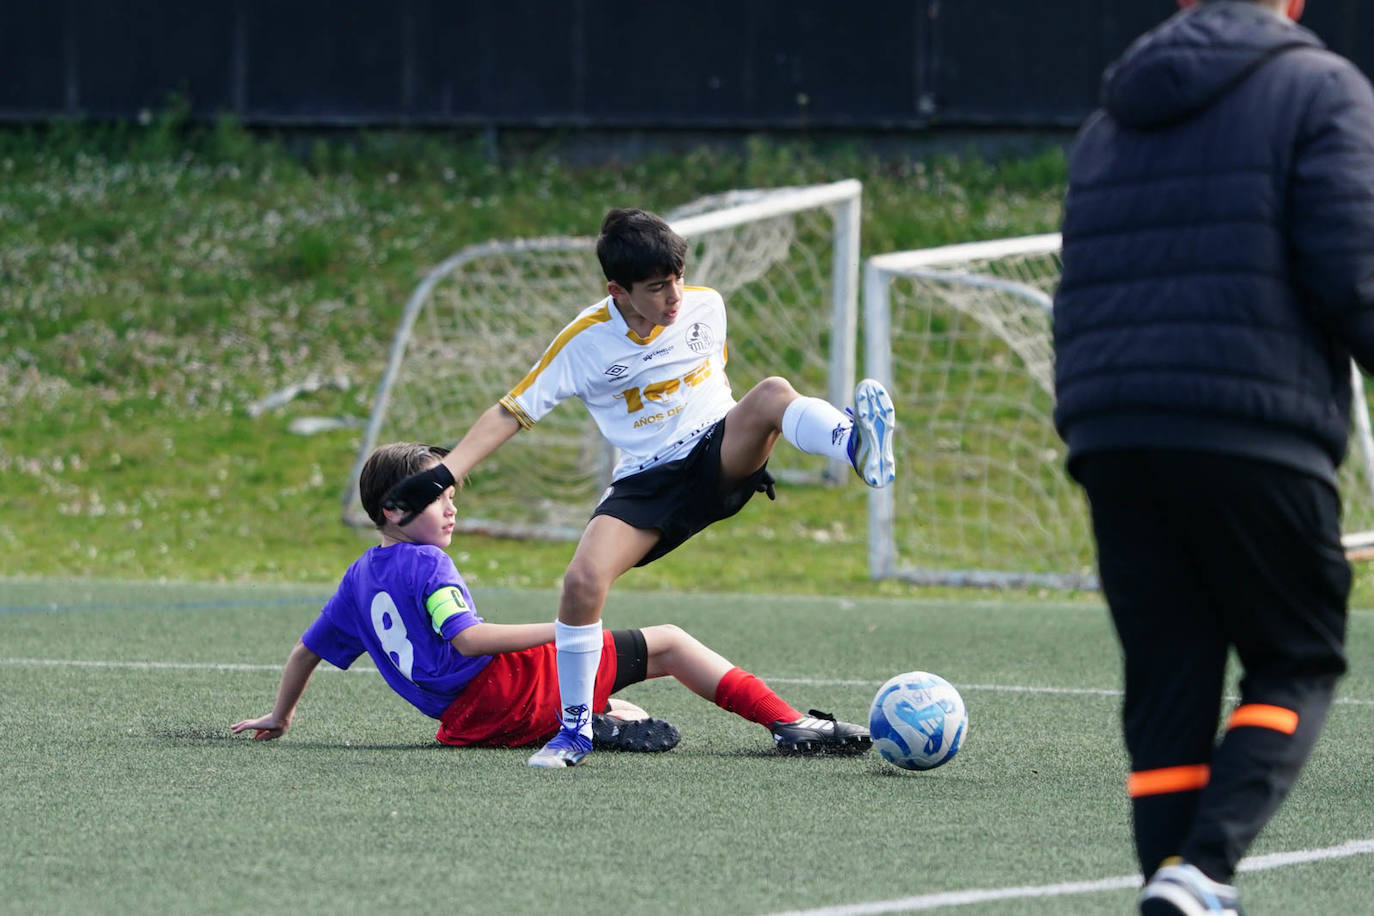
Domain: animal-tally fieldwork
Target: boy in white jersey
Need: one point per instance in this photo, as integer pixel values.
(649, 363)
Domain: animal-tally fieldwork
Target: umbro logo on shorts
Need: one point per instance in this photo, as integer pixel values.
(617, 370)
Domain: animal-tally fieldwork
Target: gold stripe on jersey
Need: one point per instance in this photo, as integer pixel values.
(600, 316)
(658, 329)
(515, 410)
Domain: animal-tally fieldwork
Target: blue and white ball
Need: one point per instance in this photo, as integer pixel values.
(918, 721)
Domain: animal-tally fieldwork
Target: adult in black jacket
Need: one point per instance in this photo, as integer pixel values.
(1218, 277)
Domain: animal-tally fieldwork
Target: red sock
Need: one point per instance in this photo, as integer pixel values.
(744, 695)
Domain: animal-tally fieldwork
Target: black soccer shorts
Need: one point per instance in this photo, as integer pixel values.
(680, 498)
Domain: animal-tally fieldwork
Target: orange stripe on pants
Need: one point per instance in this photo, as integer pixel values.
(1262, 716)
(1168, 779)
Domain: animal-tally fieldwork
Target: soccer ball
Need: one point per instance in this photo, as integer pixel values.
(917, 721)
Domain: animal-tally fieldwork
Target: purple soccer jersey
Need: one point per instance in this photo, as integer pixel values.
(401, 605)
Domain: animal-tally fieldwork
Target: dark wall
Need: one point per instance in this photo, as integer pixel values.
(864, 64)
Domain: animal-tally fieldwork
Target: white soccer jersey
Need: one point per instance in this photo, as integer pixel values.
(652, 397)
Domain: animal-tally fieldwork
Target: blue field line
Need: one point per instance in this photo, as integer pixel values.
(315, 600)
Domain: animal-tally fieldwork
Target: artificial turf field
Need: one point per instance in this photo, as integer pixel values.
(125, 792)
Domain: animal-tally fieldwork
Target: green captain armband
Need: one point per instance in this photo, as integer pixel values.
(443, 604)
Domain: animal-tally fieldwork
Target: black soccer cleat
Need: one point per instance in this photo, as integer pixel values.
(819, 733)
(641, 736)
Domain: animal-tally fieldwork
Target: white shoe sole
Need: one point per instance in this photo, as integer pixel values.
(557, 759)
(875, 422)
(1182, 890)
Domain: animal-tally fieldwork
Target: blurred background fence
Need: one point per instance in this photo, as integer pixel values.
(707, 65)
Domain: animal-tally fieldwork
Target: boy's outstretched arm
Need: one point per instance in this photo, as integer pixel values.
(412, 495)
(492, 638)
(299, 666)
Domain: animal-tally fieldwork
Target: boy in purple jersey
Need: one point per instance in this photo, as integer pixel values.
(648, 363)
(496, 685)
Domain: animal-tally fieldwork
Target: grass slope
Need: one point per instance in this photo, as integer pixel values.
(157, 282)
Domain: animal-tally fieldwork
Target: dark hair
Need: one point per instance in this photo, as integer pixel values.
(388, 466)
(635, 245)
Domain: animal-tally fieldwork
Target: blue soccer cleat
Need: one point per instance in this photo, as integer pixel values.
(870, 441)
(565, 749)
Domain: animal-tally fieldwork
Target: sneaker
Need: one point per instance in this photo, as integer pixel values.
(565, 749)
(1180, 889)
(818, 733)
(870, 441)
(612, 733)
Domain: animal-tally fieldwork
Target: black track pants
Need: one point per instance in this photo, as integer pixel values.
(1200, 555)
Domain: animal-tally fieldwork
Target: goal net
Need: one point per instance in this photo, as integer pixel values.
(981, 496)
(786, 261)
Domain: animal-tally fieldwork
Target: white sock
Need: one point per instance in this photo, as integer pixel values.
(579, 655)
(817, 427)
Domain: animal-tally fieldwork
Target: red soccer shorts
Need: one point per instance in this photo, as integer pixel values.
(514, 701)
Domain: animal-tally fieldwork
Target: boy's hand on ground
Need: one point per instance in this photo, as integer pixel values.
(266, 728)
(417, 491)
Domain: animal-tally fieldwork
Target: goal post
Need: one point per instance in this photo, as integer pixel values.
(786, 260)
(961, 334)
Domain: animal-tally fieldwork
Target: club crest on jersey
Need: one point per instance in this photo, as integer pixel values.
(617, 370)
(699, 338)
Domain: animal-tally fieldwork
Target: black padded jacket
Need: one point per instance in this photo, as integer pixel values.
(1219, 245)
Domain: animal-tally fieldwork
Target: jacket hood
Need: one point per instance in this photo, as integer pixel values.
(1181, 67)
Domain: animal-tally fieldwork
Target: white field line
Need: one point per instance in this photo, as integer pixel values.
(168, 666)
(368, 669)
(1069, 888)
(1000, 688)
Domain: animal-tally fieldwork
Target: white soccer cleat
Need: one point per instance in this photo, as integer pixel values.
(870, 441)
(1180, 889)
(565, 749)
